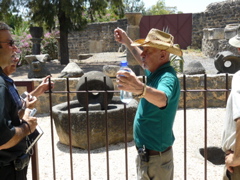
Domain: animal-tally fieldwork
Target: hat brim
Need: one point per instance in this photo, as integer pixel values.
(159, 45)
(235, 41)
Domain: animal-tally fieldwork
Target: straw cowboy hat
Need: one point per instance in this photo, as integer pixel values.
(235, 41)
(159, 39)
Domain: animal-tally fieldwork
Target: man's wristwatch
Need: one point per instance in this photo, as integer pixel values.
(143, 92)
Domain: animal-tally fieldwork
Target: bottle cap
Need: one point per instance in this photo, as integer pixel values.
(124, 63)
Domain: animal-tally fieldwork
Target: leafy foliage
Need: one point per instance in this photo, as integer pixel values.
(134, 6)
(24, 44)
(68, 15)
(8, 14)
(19, 29)
(48, 44)
(6, 8)
(160, 8)
(177, 62)
(110, 15)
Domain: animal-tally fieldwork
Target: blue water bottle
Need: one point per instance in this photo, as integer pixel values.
(125, 96)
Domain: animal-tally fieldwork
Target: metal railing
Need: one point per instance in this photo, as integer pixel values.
(205, 90)
(184, 92)
(35, 169)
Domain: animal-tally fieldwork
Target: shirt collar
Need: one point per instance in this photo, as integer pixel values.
(5, 77)
(166, 65)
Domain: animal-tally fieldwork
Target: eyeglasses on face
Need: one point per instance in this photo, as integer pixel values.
(11, 42)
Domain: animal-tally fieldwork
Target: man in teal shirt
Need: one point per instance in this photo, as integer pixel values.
(153, 123)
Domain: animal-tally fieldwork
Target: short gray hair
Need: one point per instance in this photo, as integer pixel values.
(4, 26)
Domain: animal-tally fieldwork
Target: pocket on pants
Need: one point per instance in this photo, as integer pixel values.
(168, 165)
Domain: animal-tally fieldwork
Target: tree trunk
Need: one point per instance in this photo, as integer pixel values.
(64, 53)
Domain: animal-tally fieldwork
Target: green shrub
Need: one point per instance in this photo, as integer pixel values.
(48, 45)
(24, 45)
(177, 62)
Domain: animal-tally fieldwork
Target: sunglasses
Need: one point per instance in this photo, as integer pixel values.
(11, 42)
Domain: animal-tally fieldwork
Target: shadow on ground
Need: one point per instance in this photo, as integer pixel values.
(214, 154)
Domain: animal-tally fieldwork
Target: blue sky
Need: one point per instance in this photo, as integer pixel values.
(186, 6)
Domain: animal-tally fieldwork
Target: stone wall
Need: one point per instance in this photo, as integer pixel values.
(217, 15)
(97, 37)
(215, 40)
(194, 99)
(196, 83)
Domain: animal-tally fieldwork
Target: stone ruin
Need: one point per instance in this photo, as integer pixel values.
(37, 64)
(215, 40)
(215, 45)
(96, 114)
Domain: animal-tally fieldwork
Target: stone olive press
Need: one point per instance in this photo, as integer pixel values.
(95, 109)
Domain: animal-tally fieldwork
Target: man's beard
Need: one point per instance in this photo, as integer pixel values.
(144, 66)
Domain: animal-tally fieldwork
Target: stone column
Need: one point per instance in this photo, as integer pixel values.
(37, 33)
(36, 48)
(133, 20)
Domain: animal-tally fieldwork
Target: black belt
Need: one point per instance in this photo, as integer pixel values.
(152, 152)
(5, 164)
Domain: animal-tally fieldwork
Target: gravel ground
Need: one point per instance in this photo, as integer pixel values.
(117, 169)
(195, 162)
(207, 63)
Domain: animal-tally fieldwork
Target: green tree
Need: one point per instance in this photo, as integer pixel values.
(6, 10)
(8, 14)
(134, 6)
(109, 16)
(69, 15)
(160, 8)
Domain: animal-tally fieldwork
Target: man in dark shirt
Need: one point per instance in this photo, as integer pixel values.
(13, 130)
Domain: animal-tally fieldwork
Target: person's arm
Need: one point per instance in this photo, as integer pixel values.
(156, 97)
(44, 86)
(122, 37)
(28, 102)
(38, 91)
(15, 133)
(233, 159)
(21, 131)
(128, 81)
(237, 144)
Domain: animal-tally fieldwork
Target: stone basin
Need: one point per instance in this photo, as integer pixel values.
(97, 123)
